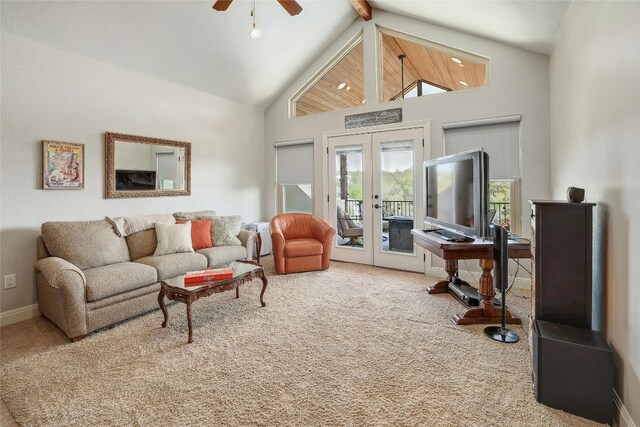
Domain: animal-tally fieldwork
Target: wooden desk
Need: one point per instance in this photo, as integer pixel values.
(451, 252)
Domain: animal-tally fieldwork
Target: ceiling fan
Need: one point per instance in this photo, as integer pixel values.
(291, 6)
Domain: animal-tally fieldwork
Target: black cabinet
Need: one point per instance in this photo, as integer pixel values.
(573, 370)
(562, 234)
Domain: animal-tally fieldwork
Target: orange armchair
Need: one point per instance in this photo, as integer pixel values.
(301, 242)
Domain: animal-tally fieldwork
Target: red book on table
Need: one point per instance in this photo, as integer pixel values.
(207, 275)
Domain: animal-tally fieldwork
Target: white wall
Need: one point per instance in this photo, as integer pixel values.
(595, 144)
(518, 84)
(51, 94)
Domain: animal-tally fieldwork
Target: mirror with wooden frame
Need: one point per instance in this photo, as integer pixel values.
(139, 166)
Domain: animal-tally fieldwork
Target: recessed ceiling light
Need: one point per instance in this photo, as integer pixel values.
(363, 101)
(456, 60)
(464, 83)
(341, 85)
(348, 87)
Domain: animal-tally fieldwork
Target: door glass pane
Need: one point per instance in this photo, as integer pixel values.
(397, 196)
(349, 196)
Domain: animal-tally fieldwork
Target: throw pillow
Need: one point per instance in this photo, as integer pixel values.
(173, 238)
(226, 230)
(200, 233)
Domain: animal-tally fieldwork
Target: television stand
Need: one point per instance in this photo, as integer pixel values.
(449, 236)
(481, 250)
(468, 295)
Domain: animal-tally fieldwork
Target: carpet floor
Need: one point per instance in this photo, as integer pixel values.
(352, 346)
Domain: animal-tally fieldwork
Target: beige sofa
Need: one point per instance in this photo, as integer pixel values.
(88, 276)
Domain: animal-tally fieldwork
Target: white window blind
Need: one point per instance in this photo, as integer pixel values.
(499, 138)
(294, 162)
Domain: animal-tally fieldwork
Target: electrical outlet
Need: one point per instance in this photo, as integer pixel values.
(10, 281)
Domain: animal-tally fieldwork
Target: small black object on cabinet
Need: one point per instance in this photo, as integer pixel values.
(562, 234)
(573, 370)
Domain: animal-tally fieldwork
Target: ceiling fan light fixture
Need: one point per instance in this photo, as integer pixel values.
(255, 33)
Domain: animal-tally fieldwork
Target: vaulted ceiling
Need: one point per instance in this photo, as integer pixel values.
(188, 43)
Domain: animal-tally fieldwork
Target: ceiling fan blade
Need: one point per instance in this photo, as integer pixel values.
(222, 5)
(291, 6)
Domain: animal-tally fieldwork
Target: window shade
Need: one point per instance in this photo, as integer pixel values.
(500, 140)
(294, 162)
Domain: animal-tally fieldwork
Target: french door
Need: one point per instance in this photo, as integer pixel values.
(375, 192)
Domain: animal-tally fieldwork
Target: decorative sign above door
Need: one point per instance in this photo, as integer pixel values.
(373, 118)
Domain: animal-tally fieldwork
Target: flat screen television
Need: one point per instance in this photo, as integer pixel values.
(457, 192)
(135, 180)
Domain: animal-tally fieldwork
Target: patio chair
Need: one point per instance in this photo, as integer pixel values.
(348, 229)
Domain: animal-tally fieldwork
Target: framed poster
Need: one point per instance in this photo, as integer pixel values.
(62, 166)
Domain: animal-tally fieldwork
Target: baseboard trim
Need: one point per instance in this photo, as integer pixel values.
(625, 417)
(520, 283)
(19, 314)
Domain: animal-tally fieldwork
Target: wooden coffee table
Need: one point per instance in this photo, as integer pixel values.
(175, 289)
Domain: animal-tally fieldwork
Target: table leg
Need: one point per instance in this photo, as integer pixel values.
(189, 321)
(163, 308)
(238, 291)
(258, 248)
(486, 313)
(451, 267)
(485, 288)
(264, 288)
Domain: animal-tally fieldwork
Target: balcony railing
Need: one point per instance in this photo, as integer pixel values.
(405, 208)
(353, 208)
(503, 213)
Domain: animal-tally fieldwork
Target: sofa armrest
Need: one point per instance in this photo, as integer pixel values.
(54, 269)
(62, 297)
(249, 240)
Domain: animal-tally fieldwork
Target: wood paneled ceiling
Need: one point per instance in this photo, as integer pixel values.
(325, 95)
(426, 63)
(422, 62)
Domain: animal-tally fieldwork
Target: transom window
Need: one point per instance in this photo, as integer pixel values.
(413, 67)
(338, 86)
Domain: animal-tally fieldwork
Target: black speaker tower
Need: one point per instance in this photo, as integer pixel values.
(500, 279)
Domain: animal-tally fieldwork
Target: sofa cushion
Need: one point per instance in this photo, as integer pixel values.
(114, 279)
(221, 255)
(226, 230)
(85, 244)
(302, 247)
(190, 216)
(173, 238)
(173, 265)
(142, 243)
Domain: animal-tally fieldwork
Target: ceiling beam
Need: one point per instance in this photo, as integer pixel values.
(291, 6)
(363, 8)
(222, 5)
